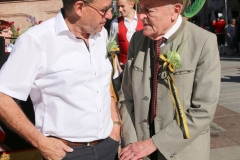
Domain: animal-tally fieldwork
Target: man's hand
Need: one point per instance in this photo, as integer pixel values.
(53, 149)
(138, 150)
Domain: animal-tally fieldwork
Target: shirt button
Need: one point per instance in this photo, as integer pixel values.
(97, 91)
(100, 129)
(100, 110)
(95, 74)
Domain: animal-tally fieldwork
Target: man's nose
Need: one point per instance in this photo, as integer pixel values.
(142, 16)
(108, 14)
(120, 9)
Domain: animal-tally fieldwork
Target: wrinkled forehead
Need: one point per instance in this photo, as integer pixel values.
(161, 2)
(153, 3)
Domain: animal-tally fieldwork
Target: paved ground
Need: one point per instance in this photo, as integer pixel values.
(225, 129)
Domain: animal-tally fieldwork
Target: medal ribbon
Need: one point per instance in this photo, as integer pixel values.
(180, 113)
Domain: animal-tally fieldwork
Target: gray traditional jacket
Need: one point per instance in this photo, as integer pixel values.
(198, 84)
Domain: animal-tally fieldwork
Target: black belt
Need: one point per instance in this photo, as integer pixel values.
(78, 143)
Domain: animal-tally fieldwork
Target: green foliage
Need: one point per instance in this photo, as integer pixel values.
(15, 33)
(174, 58)
(112, 45)
(191, 10)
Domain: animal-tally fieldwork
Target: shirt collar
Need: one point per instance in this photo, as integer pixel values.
(134, 18)
(60, 24)
(174, 28)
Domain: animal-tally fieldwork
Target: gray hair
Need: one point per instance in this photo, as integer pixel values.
(68, 4)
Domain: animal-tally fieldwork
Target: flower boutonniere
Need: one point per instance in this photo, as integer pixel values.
(112, 46)
(172, 58)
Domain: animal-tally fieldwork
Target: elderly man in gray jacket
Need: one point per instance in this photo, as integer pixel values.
(179, 130)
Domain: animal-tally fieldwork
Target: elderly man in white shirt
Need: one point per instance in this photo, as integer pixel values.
(62, 64)
(123, 27)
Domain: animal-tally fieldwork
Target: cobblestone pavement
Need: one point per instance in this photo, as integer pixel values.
(225, 129)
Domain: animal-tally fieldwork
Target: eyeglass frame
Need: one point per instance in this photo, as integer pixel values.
(98, 9)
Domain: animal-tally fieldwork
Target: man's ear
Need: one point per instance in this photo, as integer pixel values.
(78, 7)
(131, 3)
(177, 9)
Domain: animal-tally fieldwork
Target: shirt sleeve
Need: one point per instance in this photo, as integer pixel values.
(24, 64)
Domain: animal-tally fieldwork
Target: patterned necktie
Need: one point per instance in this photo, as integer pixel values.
(158, 43)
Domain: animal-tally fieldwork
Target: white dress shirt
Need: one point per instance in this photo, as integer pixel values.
(130, 25)
(172, 30)
(68, 83)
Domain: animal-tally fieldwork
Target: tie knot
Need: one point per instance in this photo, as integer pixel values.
(160, 42)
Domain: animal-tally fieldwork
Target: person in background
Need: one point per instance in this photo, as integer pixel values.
(238, 34)
(171, 60)
(5, 31)
(219, 25)
(62, 64)
(232, 37)
(124, 27)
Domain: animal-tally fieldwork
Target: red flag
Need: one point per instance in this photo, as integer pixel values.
(2, 134)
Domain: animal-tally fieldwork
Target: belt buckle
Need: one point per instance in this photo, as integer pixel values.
(88, 143)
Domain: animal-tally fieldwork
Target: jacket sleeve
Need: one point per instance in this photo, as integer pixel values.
(205, 94)
(126, 102)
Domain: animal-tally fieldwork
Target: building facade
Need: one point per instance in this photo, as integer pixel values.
(19, 11)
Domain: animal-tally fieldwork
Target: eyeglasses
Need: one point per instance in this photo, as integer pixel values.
(101, 11)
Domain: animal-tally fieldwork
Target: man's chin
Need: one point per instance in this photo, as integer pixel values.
(122, 14)
(147, 33)
(99, 29)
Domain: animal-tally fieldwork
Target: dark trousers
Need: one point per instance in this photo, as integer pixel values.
(106, 150)
(221, 39)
